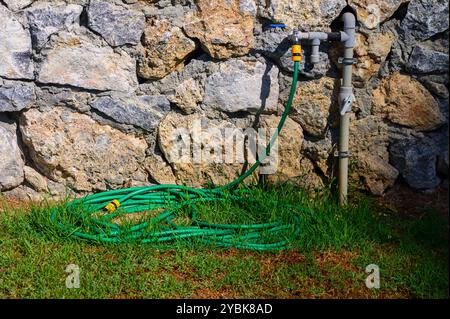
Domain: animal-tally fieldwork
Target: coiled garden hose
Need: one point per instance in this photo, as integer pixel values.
(94, 217)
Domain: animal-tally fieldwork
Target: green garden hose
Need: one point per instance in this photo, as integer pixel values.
(95, 217)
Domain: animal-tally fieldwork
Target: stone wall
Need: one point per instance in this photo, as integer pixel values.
(90, 91)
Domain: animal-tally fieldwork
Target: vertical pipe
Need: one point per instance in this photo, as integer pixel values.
(346, 87)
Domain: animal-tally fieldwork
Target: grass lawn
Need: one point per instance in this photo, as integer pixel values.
(327, 260)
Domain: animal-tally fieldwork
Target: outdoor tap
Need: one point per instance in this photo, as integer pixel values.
(347, 37)
(346, 97)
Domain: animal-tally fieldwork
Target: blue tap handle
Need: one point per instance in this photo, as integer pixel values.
(277, 25)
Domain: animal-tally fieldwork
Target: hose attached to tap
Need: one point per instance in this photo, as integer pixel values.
(95, 217)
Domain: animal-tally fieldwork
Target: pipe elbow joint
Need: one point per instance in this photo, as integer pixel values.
(349, 19)
(349, 29)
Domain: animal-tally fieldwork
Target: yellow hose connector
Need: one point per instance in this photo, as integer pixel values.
(297, 53)
(112, 207)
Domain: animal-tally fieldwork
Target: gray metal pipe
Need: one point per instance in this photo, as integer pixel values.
(349, 29)
(322, 36)
(346, 99)
(346, 90)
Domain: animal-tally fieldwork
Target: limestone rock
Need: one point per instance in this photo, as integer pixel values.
(165, 49)
(319, 152)
(222, 28)
(405, 101)
(308, 178)
(35, 179)
(188, 95)
(196, 70)
(116, 24)
(243, 86)
(15, 47)
(372, 13)
(426, 60)
(201, 161)
(184, 88)
(72, 148)
(16, 5)
(16, 96)
(11, 162)
(425, 18)
(248, 7)
(159, 169)
(312, 104)
(369, 147)
(23, 193)
(371, 52)
(51, 96)
(287, 150)
(59, 190)
(75, 59)
(317, 14)
(289, 164)
(47, 18)
(143, 111)
(362, 104)
(272, 43)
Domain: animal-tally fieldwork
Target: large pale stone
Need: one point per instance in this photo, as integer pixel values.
(76, 60)
(47, 18)
(188, 95)
(16, 96)
(405, 101)
(16, 5)
(165, 49)
(312, 103)
(248, 7)
(289, 164)
(116, 24)
(243, 86)
(24, 193)
(11, 162)
(222, 28)
(15, 47)
(315, 15)
(371, 52)
(372, 13)
(196, 154)
(370, 157)
(184, 88)
(288, 147)
(144, 111)
(35, 179)
(72, 148)
(159, 169)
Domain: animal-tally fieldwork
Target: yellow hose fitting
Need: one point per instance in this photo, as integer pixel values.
(297, 53)
(112, 207)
